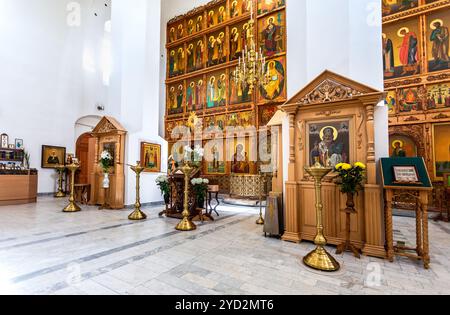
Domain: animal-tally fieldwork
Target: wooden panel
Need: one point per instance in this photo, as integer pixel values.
(18, 189)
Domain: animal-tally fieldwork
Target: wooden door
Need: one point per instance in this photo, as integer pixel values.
(85, 153)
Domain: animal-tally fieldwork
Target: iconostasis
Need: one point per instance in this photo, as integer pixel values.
(416, 65)
(203, 48)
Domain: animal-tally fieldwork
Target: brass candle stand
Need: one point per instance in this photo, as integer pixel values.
(137, 214)
(320, 259)
(186, 224)
(60, 193)
(72, 207)
(260, 220)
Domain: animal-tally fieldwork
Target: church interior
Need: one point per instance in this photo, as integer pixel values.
(225, 147)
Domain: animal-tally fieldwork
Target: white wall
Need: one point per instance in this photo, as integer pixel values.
(135, 86)
(44, 87)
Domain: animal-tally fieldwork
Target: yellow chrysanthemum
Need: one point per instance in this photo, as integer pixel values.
(346, 167)
(339, 166)
(360, 165)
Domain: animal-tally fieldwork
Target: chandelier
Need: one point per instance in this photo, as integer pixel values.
(250, 71)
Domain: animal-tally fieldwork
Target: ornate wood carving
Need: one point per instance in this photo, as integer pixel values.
(301, 129)
(328, 113)
(360, 128)
(329, 91)
(412, 118)
(441, 116)
(402, 82)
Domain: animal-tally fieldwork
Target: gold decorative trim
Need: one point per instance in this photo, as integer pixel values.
(415, 11)
(329, 91)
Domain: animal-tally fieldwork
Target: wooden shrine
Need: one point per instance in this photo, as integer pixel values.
(333, 118)
(109, 136)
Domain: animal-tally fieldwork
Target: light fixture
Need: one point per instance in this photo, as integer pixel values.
(250, 71)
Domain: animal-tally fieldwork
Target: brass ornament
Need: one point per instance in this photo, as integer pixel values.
(186, 224)
(72, 207)
(137, 214)
(319, 258)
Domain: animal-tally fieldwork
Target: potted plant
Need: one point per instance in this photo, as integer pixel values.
(163, 184)
(200, 187)
(350, 179)
(105, 163)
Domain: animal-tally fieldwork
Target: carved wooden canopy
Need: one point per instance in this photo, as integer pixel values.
(108, 125)
(329, 87)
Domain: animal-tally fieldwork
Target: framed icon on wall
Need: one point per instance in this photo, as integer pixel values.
(53, 156)
(4, 141)
(151, 157)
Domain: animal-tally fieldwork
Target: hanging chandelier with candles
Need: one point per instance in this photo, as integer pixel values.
(250, 71)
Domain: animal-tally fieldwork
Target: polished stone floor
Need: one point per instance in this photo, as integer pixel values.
(45, 251)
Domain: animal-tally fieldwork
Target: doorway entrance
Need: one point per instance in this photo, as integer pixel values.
(85, 152)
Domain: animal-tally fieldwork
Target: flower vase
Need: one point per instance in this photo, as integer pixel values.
(201, 202)
(167, 199)
(106, 181)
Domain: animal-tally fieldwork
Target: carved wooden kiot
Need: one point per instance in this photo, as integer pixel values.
(330, 98)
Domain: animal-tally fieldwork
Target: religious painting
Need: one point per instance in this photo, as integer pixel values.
(172, 35)
(216, 89)
(239, 94)
(441, 149)
(438, 96)
(410, 99)
(266, 113)
(275, 89)
(194, 54)
(172, 125)
(215, 158)
(176, 61)
(401, 53)
(151, 157)
(391, 101)
(239, 7)
(272, 29)
(266, 6)
(195, 24)
(402, 146)
(329, 143)
(195, 94)
(241, 119)
(394, 6)
(217, 15)
(52, 156)
(175, 98)
(217, 48)
(438, 41)
(238, 39)
(242, 152)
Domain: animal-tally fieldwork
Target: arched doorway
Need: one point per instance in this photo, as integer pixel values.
(85, 152)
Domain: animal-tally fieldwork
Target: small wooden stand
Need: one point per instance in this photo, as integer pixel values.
(422, 241)
(105, 205)
(418, 197)
(347, 246)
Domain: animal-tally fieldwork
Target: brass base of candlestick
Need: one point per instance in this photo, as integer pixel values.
(186, 225)
(320, 259)
(60, 194)
(137, 215)
(72, 207)
(260, 221)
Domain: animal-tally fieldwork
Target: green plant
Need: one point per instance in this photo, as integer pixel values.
(163, 184)
(200, 187)
(105, 161)
(350, 177)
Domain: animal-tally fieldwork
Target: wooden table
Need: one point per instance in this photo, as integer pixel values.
(18, 187)
(212, 190)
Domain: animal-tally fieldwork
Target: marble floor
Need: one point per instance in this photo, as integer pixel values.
(45, 251)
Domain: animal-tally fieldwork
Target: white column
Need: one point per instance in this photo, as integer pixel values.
(134, 91)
